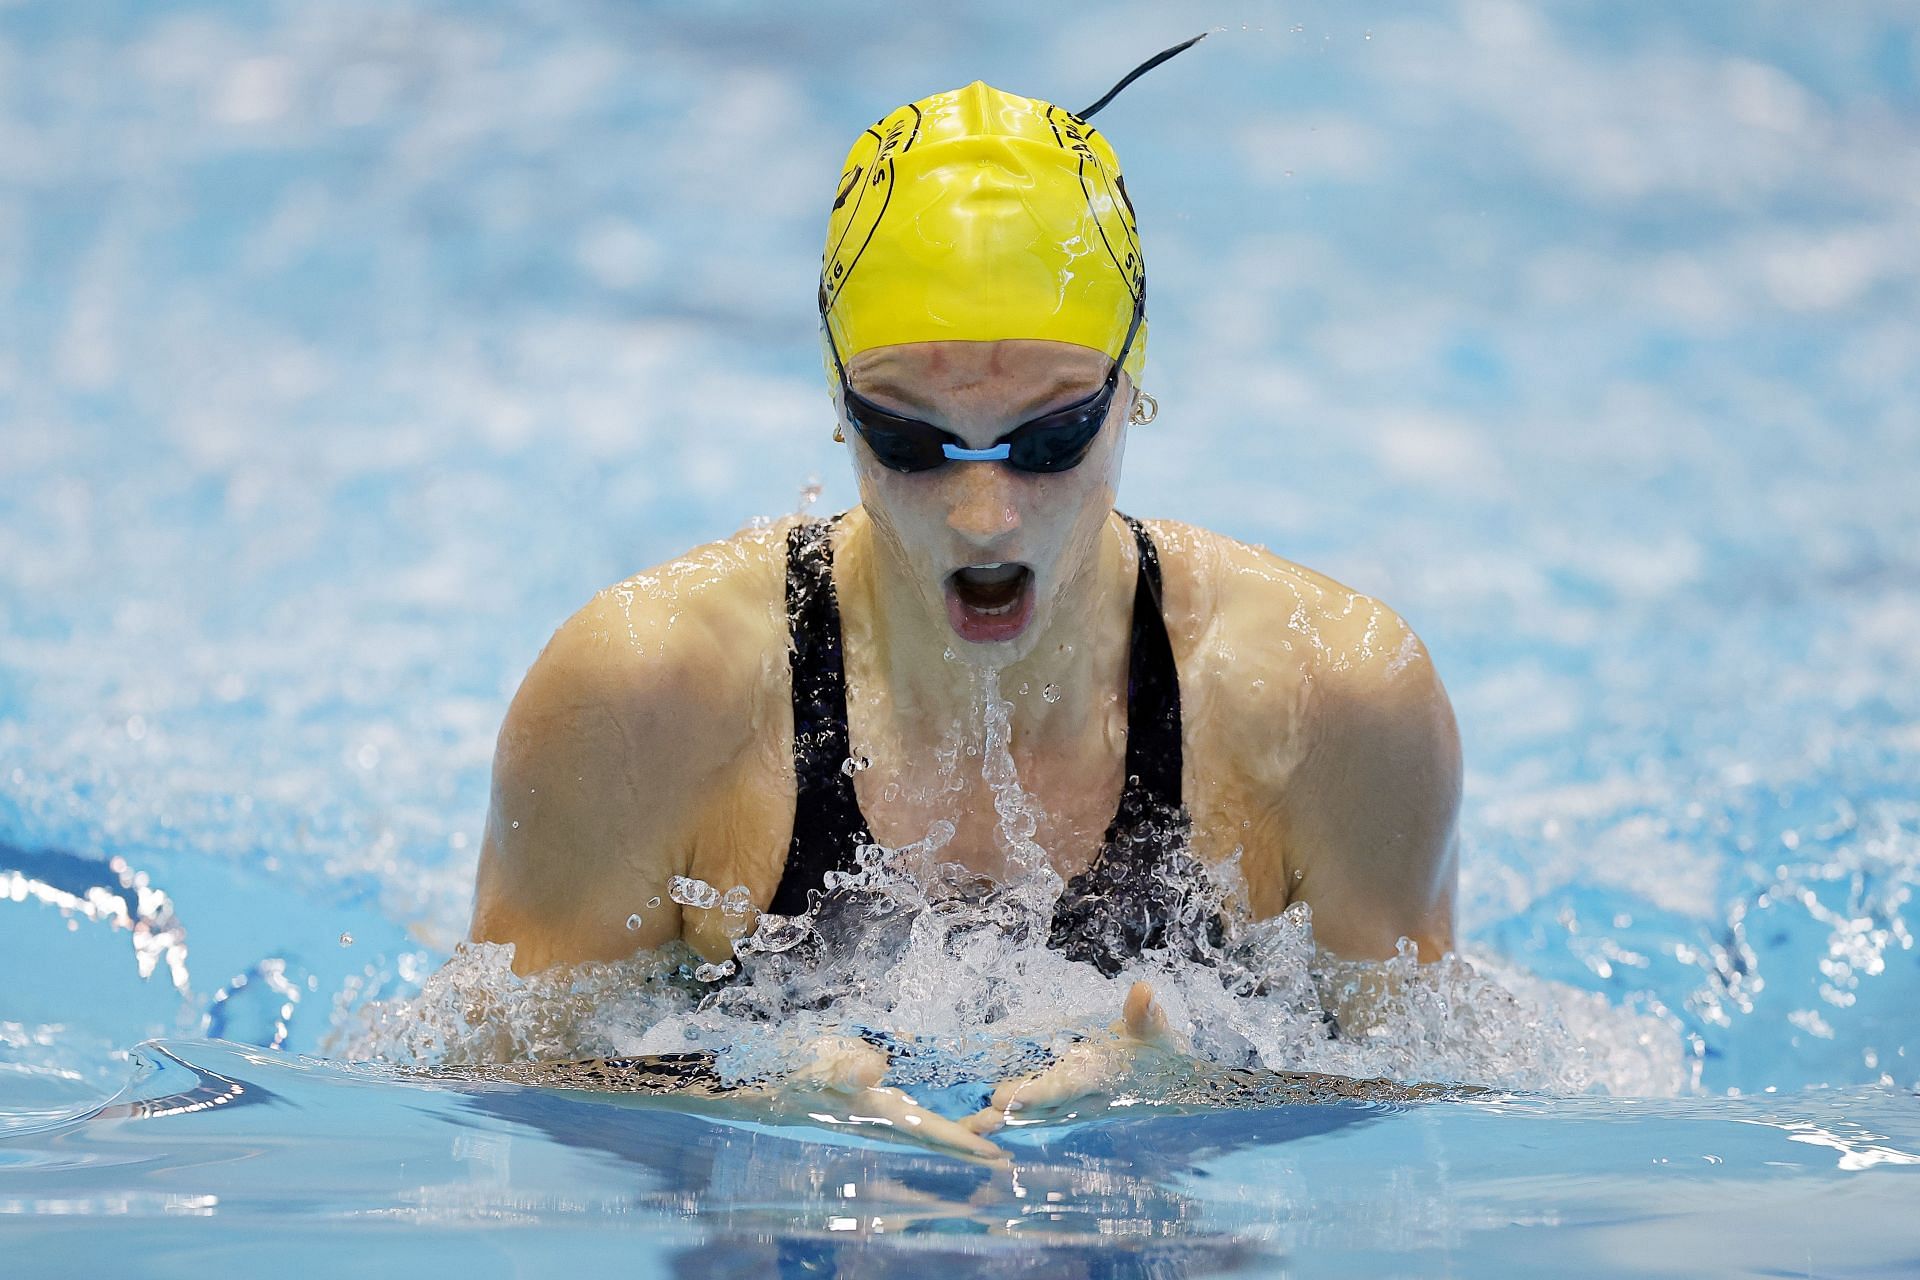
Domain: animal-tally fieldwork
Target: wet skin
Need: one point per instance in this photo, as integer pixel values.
(653, 735)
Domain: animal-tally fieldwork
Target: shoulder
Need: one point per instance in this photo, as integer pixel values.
(689, 637)
(1327, 707)
(1253, 612)
(635, 716)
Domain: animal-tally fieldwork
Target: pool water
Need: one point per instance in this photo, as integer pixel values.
(345, 349)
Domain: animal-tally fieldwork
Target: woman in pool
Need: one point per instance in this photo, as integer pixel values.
(1172, 691)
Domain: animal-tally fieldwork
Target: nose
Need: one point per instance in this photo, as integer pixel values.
(980, 502)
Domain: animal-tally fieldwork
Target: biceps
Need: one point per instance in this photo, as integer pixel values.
(1363, 917)
(1375, 871)
(557, 907)
(574, 865)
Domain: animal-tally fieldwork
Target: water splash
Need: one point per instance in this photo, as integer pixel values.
(257, 1007)
(952, 973)
(1017, 812)
(110, 892)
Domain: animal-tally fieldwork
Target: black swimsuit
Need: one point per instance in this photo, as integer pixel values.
(1140, 891)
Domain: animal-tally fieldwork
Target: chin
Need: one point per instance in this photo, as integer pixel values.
(997, 655)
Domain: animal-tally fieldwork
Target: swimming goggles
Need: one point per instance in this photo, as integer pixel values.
(1053, 442)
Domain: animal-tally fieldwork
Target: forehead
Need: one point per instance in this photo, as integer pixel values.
(1023, 369)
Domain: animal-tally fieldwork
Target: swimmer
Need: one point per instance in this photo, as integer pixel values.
(1174, 693)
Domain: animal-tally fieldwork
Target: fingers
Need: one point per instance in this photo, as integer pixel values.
(1138, 1017)
(1083, 1070)
(910, 1119)
(985, 1120)
(853, 1069)
(842, 1063)
(1144, 1018)
(850, 1071)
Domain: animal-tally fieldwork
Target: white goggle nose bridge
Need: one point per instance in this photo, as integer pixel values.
(957, 453)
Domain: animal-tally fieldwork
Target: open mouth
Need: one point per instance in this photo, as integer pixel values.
(987, 603)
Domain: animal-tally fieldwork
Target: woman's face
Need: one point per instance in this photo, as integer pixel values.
(989, 548)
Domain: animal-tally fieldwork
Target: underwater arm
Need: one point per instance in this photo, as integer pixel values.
(1140, 1037)
(843, 1075)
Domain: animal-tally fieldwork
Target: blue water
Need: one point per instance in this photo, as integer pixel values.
(345, 349)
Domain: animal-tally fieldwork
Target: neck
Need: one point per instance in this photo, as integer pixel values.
(916, 680)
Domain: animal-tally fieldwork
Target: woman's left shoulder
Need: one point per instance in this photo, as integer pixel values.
(1241, 601)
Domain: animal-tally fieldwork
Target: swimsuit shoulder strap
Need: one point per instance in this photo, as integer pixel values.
(827, 826)
(1135, 895)
(1153, 689)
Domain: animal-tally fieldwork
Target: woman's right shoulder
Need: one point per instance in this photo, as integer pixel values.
(703, 634)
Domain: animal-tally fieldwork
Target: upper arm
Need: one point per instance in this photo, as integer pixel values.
(598, 765)
(1366, 795)
(1372, 816)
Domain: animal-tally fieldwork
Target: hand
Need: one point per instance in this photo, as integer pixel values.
(1088, 1067)
(845, 1075)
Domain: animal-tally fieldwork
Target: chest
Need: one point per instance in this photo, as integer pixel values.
(975, 792)
(980, 797)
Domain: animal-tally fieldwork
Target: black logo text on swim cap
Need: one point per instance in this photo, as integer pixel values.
(859, 205)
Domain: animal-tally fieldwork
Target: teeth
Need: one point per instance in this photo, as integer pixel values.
(991, 589)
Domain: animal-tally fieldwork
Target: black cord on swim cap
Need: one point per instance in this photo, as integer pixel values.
(1141, 70)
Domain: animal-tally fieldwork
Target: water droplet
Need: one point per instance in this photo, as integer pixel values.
(346, 939)
(689, 892)
(634, 921)
(1051, 693)
(713, 972)
(653, 902)
(779, 933)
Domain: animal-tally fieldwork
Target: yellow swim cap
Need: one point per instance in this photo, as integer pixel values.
(978, 215)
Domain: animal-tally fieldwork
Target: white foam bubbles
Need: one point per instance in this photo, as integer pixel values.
(952, 973)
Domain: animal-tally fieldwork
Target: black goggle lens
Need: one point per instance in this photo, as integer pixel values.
(1053, 442)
